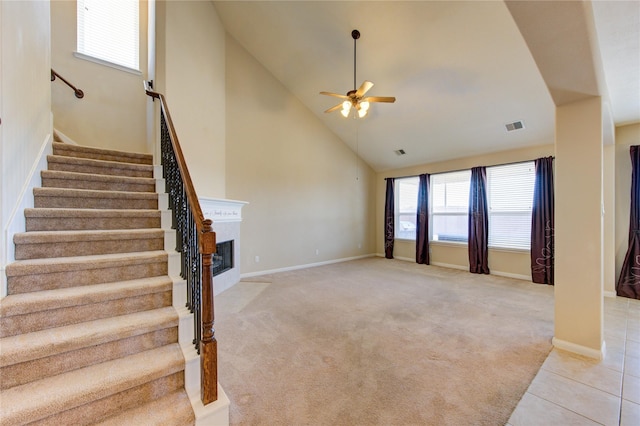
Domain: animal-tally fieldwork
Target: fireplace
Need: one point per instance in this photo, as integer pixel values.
(223, 257)
(227, 218)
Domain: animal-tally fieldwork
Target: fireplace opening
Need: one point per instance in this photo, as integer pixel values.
(223, 258)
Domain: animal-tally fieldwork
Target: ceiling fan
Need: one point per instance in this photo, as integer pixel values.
(355, 99)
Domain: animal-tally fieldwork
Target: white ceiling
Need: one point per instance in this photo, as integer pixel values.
(459, 70)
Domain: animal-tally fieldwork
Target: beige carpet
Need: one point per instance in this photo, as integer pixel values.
(380, 342)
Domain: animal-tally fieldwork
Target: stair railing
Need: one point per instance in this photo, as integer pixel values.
(79, 93)
(196, 243)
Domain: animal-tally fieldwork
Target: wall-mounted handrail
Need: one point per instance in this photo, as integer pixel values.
(196, 243)
(79, 93)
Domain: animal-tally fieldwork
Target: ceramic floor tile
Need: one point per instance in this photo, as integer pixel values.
(630, 414)
(597, 405)
(632, 365)
(631, 388)
(584, 370)
(633, 348)
(535, 411)
(616, 344)
(614, 359)
(633, 332)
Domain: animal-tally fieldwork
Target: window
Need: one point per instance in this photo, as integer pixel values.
(450, 206)
(510, 199)
(406, 191)
(109, 31)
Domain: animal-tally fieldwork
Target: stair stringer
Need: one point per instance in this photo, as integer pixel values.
(215, 413)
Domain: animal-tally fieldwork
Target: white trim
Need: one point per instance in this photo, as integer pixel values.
(17, 221)
(221, 210)
(511, 275)
(451, 266)
(64, 138)
(106, 63)
(579, 349)
(308, 265)
(610, 294)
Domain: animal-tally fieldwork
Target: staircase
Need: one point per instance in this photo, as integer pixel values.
(88, 334)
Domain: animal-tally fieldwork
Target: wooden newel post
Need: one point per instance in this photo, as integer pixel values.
(208, 344)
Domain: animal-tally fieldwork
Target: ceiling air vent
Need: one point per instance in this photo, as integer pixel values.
(400, 152)
(516, 125)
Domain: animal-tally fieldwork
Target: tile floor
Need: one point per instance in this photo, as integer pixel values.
(571, 389)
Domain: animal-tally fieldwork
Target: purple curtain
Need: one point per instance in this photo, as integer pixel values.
(629, 281)
(422, 221)
(542, 225)
(389, 219)
(478, 222)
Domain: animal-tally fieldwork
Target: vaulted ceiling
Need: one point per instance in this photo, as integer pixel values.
(460, 70)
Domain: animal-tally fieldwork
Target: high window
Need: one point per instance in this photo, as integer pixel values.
(109, 31)
(450, 206)
(406, 191)
(510, 200)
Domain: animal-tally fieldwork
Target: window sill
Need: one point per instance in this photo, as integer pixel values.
(449, 243)
(106, 63)
(509, 250)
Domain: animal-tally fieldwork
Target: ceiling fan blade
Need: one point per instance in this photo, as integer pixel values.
(335, 95)
(334, 108)
(389, 99)
(364, 88)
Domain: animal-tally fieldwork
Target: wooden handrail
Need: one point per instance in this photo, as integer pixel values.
(79, 93)
(204, 311)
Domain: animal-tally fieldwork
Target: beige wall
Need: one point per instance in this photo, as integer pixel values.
(25, 110)
(307, 190)
(625, 137)
(506, 262)
(112, 113)
(191, 74)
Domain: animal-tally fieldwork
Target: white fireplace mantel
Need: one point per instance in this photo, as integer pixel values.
(220, 210)
(226, 216)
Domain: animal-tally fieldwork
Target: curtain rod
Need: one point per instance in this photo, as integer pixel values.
(460, 170)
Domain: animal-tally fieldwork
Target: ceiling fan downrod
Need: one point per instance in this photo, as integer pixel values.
(356, 35)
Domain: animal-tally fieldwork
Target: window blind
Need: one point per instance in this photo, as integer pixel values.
(406, 207)
(109, 30)
(510, 200)
(450, 206)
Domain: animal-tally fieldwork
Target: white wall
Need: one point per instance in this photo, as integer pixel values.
(190, 72)
(25, 110)
(112, 113)
(298, 177)
(506, 262)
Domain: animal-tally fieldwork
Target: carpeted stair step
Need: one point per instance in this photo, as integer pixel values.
(47, 274)
(98, 167)
(88, 386)
(58, 179)
(39, 310)
(91, 199)
(33, 356)
(47, 244)
(80, 151)
(46, 219)
(173, 409)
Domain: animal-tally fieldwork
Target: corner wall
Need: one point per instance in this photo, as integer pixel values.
(112, 113)
(190, 72)
(25, 110)
(306, 189)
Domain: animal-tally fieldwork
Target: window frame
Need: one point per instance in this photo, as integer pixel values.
(433, 213)
(78, 53)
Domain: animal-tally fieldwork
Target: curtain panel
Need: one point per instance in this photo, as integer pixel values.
(389, 219)
(422, 221)
(542, 223)
(478, 222)
(628, 284)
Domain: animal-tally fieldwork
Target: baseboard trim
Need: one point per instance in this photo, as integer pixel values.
(450, 266)
(17, 222)
(579, 349)
(63, 138)
(610, 294)
(305, 266)
(511, 275)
